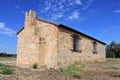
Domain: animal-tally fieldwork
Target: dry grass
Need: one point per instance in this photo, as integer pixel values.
(7, 58)
(109, 70)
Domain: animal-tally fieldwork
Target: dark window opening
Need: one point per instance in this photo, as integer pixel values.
(75, 43)
(94, 47)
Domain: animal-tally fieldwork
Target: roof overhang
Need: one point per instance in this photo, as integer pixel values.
(20, 30)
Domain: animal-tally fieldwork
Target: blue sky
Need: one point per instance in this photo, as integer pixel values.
(97, 18)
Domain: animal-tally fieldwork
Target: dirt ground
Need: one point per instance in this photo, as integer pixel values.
(109, 70)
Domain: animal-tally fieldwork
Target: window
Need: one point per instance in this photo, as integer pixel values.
(75, 43)
(94, 47)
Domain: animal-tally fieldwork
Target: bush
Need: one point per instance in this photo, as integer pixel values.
(76, 76)
(61, 69)
(35, 66)
(1, 65)
(6, 70)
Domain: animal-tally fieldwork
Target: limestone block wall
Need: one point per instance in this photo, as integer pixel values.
(26, 48)
(51, 46)
(68, 57)
(37, 44)
(27, 53)
(47, 50)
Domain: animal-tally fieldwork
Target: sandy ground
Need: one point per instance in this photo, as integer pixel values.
(109, 70)
(10, 62)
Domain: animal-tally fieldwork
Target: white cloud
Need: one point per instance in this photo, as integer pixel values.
(56, 16)
(19, 8)
(89, 2)
(117, 11)
(78, 2)
(74, 15)
(2, 25)
(5, 30)
(56, 9)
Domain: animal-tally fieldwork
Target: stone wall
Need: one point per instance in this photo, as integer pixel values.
(37, 43)
(51, 47)
(26, 48)
(47, 50)
(66, 55)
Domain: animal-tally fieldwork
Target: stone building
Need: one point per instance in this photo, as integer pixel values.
(53, 45)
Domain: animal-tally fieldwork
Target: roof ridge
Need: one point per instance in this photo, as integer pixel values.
(65, 27)
(48, 21)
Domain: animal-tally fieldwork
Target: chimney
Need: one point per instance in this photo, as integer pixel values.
(30, 17)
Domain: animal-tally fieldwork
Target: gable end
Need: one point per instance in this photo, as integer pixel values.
(20, 30)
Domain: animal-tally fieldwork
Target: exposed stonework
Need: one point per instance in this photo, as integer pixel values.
(68, 57)
(51, 46)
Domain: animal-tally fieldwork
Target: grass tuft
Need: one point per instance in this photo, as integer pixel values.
(71, 70)
(35, 66)
(76, 76)
(110, 67)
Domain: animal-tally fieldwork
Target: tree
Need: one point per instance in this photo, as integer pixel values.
(4, 54)
(113, 50)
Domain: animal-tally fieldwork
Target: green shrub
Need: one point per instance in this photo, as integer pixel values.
(61, 69)
(6, 70)
(1, 66)
(35, 66)
(76, 76)
(71, 70)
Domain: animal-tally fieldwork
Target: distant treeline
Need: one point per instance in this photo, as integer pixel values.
(113, 50)
(3, 54)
